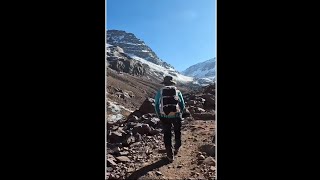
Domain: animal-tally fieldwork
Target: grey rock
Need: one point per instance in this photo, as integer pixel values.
(111, 162)
(201, 157)
(123, 159)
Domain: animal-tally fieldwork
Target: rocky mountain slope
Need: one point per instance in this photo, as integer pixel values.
(135, 148)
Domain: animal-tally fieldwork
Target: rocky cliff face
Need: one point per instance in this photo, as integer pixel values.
(121, 62)
(132, 45)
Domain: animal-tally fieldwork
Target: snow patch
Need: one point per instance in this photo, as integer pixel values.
(116, 117)
(156, 69)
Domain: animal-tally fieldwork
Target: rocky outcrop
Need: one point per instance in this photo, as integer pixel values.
(121, 62)
(147, 106)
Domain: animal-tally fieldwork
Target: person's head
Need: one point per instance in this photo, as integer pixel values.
(168, 81)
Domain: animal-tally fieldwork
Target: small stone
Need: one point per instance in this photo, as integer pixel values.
(179, 166)
(148, 152)
(124, 153)
(109, 169)
(130, 170)
(201, 157)
(212, 168)
(158, 173)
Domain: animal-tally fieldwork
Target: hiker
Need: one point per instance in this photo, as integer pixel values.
(169, 107)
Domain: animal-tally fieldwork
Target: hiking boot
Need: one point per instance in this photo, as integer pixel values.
(169, 154)
(176, 151)
(170, 158)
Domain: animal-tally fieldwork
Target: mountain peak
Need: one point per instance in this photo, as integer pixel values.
(133, 45)
(205, 69)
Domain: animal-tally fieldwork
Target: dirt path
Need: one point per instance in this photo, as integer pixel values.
(196, 141)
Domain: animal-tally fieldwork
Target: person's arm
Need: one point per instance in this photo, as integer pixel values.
(181, 101)
(157, 103)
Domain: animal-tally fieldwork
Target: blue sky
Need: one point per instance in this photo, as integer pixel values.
(180, 32)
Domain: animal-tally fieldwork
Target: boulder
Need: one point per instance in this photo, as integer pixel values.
(147, 106)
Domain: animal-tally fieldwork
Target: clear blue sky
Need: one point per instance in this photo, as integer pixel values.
(180, 32)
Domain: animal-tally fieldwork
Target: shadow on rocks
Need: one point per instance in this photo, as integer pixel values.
(143, 171)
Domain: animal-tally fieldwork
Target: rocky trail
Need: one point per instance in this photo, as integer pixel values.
(195, 160)
(135, 148)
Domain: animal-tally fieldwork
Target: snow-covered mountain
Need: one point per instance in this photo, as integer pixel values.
(159, 71)
(132, 45)
(206, 69)
(203, 73)
(124, 50)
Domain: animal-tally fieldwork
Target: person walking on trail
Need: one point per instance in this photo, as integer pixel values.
(169, 107)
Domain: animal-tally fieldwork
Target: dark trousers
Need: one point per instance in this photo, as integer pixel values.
(167, 123)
